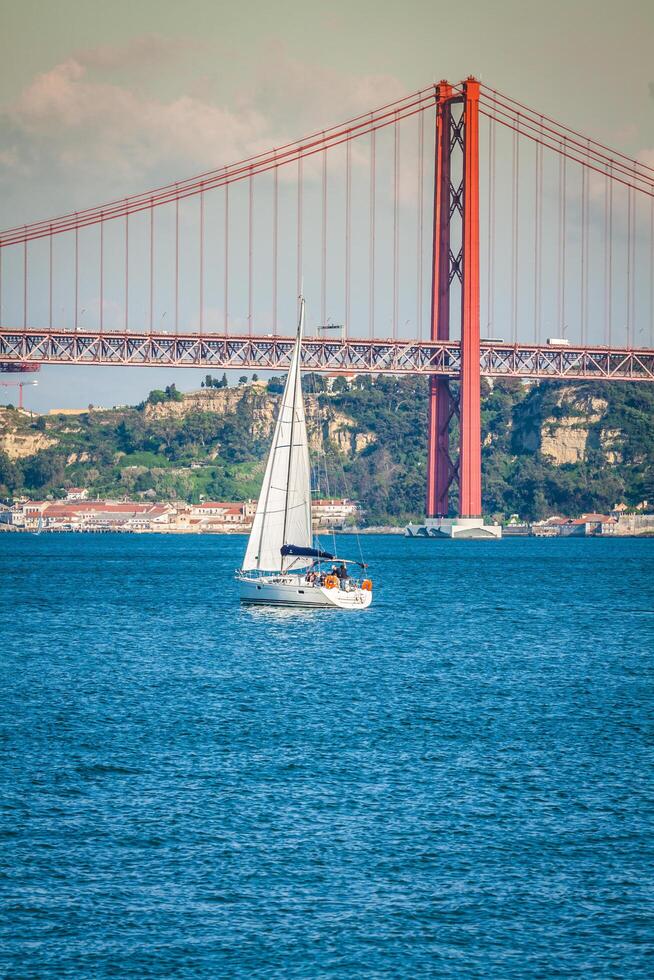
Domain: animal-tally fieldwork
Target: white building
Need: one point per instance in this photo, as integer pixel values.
(336, 511)
(77, 493)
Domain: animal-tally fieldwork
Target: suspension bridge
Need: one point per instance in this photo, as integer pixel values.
(453, 233)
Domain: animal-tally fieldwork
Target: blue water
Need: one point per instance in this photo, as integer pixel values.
(457, 782)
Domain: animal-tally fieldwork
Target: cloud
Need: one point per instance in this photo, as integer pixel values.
(86, 137)
(313, 96)
(84, 123)
(139, 52)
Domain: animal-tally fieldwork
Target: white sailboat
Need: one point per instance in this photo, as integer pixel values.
(281, 565)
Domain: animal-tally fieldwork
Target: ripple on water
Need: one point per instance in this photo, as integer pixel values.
(455, 782)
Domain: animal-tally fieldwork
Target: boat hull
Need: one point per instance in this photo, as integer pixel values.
(295, 591)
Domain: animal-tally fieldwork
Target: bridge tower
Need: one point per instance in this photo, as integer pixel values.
(456, 263)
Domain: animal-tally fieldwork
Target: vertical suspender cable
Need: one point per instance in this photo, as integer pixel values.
(126, 270)
(226, 270)
(584, 247)
(606, 258)
(562, 237)
(610, 260)
(50, 266)
(651, 273)
(250, 247)
(348, 231)
(538, 241)
(202, 260)
(76, 276)
(629, 269)
(420, 222)
(631, 266)
(490, 261)
(559, 260)
(634, 265)
(274, 246)
(396, 223)
(177, 265)
(151, 266)
(371, 275)
(101, 273)
(25, 284)
(515, 226)
(323, 254)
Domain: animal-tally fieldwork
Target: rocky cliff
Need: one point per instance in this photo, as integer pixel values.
(253, 401)
(564, 434)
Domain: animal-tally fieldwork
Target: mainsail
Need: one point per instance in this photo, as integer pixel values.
(284, 509)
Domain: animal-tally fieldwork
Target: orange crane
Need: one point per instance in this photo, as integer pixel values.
(20, 385)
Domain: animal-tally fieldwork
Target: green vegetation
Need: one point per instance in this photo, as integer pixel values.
(374, 438)
(210, 382)
(171, 394)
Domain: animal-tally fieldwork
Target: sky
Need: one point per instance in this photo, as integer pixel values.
(104, 100)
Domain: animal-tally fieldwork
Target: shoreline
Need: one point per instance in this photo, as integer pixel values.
(372, 531)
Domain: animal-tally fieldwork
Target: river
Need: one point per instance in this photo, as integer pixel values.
(457, 782)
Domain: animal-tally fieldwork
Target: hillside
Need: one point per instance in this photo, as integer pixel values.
(550, 447)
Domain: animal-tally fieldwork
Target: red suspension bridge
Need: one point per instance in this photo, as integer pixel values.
(541, 268)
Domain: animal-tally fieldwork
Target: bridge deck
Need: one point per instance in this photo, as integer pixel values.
(272, 353)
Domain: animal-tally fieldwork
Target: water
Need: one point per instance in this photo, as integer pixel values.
(457, 782)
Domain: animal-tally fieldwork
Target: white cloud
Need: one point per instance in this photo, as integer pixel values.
(90, 123)
(139, 52)
(88, 136)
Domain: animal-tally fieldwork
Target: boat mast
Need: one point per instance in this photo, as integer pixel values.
(298, 349)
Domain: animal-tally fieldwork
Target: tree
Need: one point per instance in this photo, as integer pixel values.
(243, 379)
(314, 383)
(223, 382)
(11, 476)
(255, 377)
(172, 394)
(44, 470)
(275, 386)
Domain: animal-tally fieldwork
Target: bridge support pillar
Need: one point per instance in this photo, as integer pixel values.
(456, 194)
(470, 398)
(440, 469)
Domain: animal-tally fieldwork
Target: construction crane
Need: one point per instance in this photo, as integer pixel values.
(20, 385)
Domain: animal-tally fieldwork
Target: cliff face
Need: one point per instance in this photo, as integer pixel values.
(567, 426)
(565, 434)
(260, 407)
(17, 441)
(21, 446)
(218, 401)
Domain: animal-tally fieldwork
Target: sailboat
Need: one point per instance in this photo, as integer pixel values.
(282, 567)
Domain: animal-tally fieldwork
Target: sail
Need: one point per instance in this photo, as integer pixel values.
(284, 508)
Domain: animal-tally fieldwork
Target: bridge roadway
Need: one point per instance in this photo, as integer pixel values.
(272, 353)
